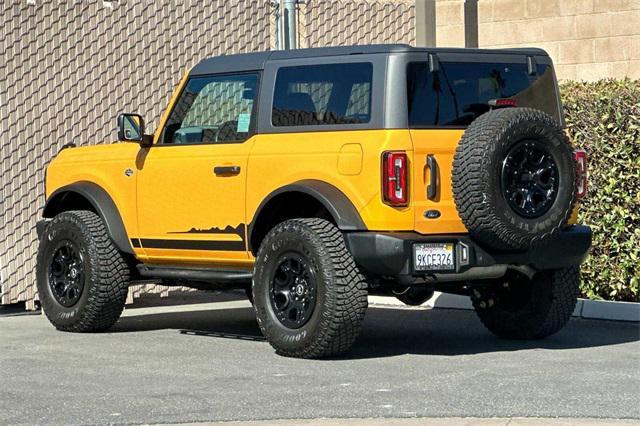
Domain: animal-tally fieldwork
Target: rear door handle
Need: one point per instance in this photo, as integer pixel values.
(432, 188)
(226, 170)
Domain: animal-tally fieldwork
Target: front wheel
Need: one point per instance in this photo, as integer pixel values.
(82, 278)
(309, 296)
(519, 307)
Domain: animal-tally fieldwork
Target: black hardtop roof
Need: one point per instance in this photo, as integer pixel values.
(256, 61)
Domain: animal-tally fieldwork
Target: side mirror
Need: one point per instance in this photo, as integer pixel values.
(131, 128)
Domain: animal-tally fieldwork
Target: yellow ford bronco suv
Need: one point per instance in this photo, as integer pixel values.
(312, 178)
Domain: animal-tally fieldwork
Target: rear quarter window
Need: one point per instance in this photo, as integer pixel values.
(328, 94)
(458, 92)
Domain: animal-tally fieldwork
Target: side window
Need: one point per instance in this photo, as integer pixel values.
(215, 109)
(329, 94)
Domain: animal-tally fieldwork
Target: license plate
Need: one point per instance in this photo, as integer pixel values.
(433, 256)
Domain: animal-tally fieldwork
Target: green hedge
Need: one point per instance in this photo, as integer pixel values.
(604, 118)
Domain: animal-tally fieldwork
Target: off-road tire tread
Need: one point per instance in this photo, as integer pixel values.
(471, 180)
(350, 288)
(550, 316)
(109, 283)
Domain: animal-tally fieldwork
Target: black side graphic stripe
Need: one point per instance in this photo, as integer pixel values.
(193, 244)
(238, 230)
(135, 242)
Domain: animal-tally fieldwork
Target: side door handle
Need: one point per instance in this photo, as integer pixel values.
(432, 188)
(226, 170)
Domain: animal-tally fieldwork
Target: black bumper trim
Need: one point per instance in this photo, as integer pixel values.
(391, 253)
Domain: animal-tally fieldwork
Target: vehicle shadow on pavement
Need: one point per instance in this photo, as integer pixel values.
(233, 323)
(389, 332)
(450, 332)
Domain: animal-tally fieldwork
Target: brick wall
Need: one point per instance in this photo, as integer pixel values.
(67, 68)
(347, 22)
(587, 39)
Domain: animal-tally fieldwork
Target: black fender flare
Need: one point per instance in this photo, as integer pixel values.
(102, 204)
(342, 210)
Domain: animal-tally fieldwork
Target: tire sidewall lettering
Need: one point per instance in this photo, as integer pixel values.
(64, 228)
(296, 239)
(555, 214)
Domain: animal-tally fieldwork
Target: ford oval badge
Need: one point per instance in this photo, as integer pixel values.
(432, 214)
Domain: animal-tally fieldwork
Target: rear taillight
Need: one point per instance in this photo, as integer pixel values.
(581, 172)
(394, 178)
(503, 102)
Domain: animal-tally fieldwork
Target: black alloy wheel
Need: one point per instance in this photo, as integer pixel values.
(66, 273)
(82, 277)
(309, 296)
(530, 179)
(293, 290)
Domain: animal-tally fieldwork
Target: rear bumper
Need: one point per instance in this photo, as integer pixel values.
(391, 254)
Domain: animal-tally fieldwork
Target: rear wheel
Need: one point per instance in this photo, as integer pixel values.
(82, 278)
(519, 307)
(309, 296)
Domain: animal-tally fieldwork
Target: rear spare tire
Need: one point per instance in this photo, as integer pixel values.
(513, 178)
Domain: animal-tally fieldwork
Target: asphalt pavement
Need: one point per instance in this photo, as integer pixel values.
(209, 362)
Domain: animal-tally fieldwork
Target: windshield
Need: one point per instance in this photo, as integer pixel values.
(458, 92)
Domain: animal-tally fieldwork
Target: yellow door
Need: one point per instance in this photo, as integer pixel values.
(191, 203)
(192, 182)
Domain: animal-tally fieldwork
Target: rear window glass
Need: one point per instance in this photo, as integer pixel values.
(458, 92)
(322, 95)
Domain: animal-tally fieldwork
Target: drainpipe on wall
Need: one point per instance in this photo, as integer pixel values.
(288, 31)
(276, 14)
(470, 23)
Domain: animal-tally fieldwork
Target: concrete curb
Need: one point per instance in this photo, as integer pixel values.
(430, 421)
(591, 309)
